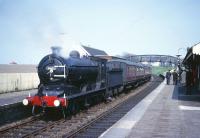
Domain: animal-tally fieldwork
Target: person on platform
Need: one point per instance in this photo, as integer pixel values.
(175, 77)
(189, 82)
(167, 76)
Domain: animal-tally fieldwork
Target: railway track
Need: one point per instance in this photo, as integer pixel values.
(87, 123)
(96, 127)
(27, 127)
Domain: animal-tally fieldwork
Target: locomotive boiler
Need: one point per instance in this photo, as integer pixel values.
(54, 69)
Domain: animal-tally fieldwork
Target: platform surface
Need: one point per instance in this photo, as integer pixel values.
(15, 97)
(168, 115)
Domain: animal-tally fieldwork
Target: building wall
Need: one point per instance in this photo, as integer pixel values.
(18, 81)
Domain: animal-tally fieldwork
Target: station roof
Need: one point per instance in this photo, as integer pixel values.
(194, 50)
(93, 51)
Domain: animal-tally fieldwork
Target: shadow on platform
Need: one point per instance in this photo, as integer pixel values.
(181, 92)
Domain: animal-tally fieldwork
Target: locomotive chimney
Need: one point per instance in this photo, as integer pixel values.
(56, 50)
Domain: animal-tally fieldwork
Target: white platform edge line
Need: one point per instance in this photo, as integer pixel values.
(189, 108)
(128, 121)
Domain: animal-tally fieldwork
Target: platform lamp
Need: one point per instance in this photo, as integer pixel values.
(179, 66)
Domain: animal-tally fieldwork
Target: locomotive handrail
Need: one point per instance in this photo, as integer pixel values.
(64, 75)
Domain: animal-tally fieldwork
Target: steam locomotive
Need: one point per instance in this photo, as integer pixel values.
(69, 83)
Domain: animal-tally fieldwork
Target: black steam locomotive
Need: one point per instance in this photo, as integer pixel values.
(73, 82)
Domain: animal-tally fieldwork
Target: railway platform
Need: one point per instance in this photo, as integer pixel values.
(7, 99)
(166, 112)
(11, 107)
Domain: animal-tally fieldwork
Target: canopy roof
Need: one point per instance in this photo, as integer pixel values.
(191, 52)
(196, 49)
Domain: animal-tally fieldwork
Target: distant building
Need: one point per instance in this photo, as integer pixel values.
(13, 62)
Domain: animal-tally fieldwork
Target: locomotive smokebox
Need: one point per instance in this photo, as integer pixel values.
(56, 50)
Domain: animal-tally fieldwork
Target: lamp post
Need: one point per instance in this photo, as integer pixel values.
(179, 66)
(178, 58)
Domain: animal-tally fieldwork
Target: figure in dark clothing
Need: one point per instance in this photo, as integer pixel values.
(188, 82)
(168, 75)
(175, 77)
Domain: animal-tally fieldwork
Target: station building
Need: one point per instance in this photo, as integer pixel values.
(192, 65)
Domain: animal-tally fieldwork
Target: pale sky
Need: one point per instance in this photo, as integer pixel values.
(28, 28)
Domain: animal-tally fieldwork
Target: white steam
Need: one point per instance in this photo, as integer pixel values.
(67, 44)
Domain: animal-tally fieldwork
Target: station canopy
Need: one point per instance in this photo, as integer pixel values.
(196, 49)
(94, 52)
(192, 55)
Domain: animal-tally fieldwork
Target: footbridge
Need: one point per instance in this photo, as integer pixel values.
(155, 60)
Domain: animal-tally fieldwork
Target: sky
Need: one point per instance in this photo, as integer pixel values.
(28, 28)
